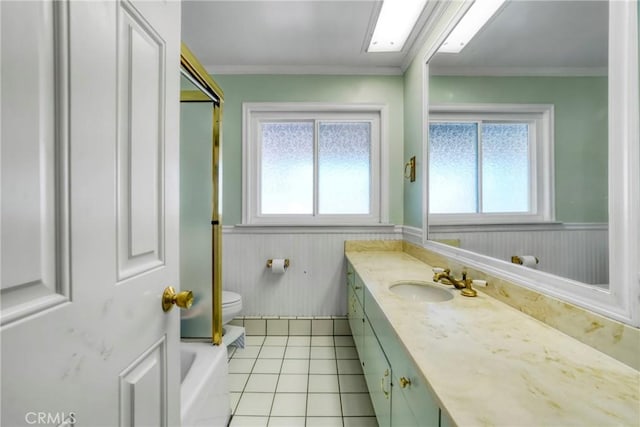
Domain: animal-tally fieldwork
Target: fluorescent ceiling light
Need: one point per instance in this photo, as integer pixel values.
(475, 18)
(395, 22)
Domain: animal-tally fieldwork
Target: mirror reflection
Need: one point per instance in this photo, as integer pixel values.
(518, 140)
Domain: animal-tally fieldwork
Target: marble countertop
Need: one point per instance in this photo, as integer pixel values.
(492, 365)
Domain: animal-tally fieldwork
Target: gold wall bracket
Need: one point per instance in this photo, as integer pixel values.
(270, 263)
(411, 164)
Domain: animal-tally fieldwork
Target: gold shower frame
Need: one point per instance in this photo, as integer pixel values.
(210, 92)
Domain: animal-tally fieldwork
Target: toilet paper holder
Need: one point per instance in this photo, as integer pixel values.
(515, 259)
(270, 263)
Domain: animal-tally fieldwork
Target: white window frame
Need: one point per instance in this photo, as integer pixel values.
(541, 149)
(253, 114)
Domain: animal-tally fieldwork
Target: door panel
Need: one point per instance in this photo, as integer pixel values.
(142, 391)
(34, 205)
(81, 284)
(141, 53)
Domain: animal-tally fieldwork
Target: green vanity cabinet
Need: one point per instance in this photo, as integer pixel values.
(407, 381)
(377, 374)
(400, 397)
(355, 314)
(445, 421)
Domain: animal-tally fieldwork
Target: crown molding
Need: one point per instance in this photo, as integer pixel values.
(435, 70)
(304, 70)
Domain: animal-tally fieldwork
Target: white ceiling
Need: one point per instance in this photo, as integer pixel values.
(536, 38)
(329, 36)
(284, 36)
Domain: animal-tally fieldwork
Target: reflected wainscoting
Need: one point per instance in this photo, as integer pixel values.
(576, 251)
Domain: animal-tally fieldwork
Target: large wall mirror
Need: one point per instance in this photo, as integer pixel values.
(519, 130)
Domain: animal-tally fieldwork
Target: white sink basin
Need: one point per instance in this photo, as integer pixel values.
(421, 291)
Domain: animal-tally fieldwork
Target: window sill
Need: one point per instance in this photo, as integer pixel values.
(312, 228)
(528, 226)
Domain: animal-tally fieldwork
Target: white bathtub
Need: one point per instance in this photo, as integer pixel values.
(204, 391)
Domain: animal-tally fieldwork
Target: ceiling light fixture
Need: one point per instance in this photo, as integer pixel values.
(395, 22)
(475, 18)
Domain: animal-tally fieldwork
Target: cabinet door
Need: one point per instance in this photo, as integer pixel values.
(445, 421)
(401, 413)
(407, 381)
(355, 314)
(377, 373)
(350, 274)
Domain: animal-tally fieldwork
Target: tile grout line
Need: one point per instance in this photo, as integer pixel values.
(335, 353)
(306, 407)
(278, 380)
(253, 365)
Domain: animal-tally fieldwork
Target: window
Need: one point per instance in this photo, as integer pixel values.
(312, 164)
(490, 164)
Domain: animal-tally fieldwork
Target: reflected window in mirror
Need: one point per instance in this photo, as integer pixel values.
(490, 164)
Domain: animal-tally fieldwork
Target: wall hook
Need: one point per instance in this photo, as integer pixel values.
(411, 164)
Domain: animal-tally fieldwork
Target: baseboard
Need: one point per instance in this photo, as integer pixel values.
(294, 326)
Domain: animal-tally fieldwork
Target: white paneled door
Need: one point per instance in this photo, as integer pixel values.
(89, 212)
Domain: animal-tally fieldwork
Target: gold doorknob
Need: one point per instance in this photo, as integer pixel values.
(404, 382)
(182, 299)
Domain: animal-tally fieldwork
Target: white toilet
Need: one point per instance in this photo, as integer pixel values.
(231, 306)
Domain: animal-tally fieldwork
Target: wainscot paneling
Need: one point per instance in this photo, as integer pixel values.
(576, 251)
(314, 284)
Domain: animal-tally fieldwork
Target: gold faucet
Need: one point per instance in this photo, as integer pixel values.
(464, 284)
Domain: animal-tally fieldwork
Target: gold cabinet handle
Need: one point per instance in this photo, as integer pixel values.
(404, 382)
(385, 392)
(182, 299)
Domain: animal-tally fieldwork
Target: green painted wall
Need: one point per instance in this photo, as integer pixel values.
(287, 88)
(413, 84)
(413, 124)
(580, 131)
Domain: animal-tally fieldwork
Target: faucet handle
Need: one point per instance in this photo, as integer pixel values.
(437, 270)
(467, 290)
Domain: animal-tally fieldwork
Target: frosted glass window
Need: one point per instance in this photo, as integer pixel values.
(311, 164)
(287, 168)
(505, 167)
(344, 168)
(453, 167)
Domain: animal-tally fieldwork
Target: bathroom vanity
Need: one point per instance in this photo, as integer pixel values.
(474, 360)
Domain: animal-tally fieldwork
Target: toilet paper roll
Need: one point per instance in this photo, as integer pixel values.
(278, 266)
(528, 261)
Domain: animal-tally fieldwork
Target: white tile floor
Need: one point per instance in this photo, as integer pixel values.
(298, 381)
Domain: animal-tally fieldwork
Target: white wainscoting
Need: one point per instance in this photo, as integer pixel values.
(575, 251)
(314, 284)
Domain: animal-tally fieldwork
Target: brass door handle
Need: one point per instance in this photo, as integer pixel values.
(358, 288)
(404, 382)
(182, 299)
